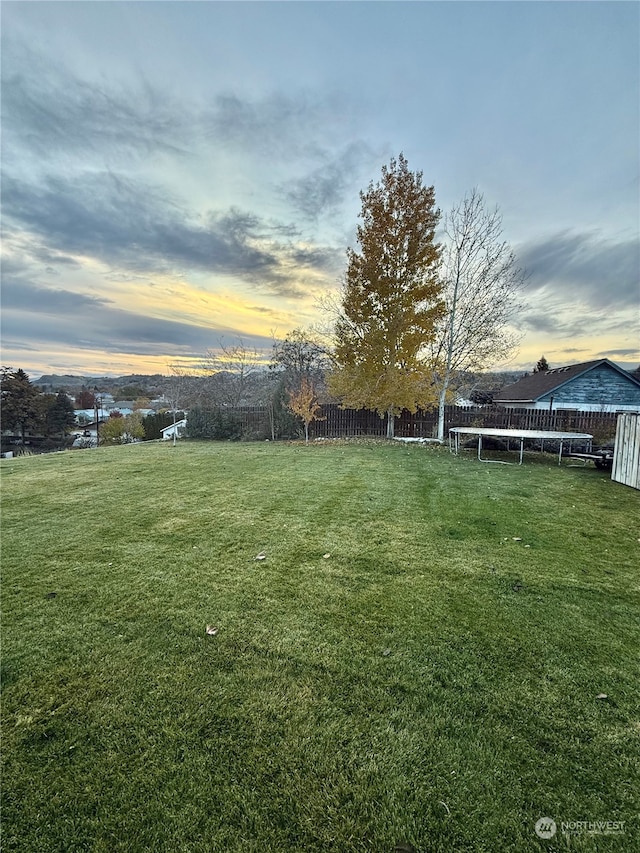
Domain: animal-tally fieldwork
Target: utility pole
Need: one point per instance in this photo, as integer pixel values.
(96, 403)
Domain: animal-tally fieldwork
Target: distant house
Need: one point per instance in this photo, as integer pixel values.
(87, 436)
(593, 386)
(179, 428)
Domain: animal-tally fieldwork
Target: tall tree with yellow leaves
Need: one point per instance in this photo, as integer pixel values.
(390, 301)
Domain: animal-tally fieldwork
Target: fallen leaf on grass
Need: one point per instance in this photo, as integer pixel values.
(517, 538)
(602, 696)
(326, 556)
(386, 652)
(212, 630)
(261, 556)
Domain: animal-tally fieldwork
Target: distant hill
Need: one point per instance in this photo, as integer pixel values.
(67, 380)
(70, 382)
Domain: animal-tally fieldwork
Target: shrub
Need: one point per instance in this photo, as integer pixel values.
(213, 424)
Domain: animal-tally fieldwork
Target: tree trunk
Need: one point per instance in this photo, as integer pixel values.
(272, 420)
(441, 404)
(391, 423)
(306, 433)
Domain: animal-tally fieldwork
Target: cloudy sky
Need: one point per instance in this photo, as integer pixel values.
(178, 174)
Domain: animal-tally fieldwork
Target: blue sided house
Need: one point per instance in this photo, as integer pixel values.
(593, 386)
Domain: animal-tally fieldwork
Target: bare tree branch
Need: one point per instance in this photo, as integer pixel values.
(233, 371)
(482, 290)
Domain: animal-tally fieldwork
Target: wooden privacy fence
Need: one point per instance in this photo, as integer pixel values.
(424, 424)
(342, 423)
(626, 452)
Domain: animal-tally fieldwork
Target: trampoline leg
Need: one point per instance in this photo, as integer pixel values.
(480, 448)
(521, 449)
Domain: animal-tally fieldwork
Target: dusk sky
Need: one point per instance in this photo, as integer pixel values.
(176, 174)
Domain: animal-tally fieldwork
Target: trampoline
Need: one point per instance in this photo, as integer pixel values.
(519, 434)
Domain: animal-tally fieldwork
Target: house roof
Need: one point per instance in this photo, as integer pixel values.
(182, 422)
(529, 389)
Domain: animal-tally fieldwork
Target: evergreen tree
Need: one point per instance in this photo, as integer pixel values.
(60, 417)
(390, 298)
(19, 410)
(541, 366)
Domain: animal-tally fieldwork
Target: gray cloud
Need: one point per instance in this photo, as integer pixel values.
(325, 188)
(284, 127)
(19, 345)
(566, 321)
(124, 222)
(24, 296)
(49, 111)
(33, 313)
(588, 268)
(541, 321)
(620, 353)
(52, 259)
(78, 136)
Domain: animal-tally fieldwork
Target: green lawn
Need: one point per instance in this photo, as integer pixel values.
(416, 659)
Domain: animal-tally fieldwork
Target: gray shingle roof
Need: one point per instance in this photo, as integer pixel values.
(531, 388)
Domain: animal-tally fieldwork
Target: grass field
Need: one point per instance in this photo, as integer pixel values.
(417, 658)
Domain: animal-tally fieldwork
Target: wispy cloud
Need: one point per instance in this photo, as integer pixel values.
(323, 190)
(631, 352)
(556, 319)
(298, 125)
(24, 296)
(586, 268)
(49, 111)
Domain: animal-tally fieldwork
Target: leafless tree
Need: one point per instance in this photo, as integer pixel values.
(482, 291)
(300, 353)
(234, 371)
